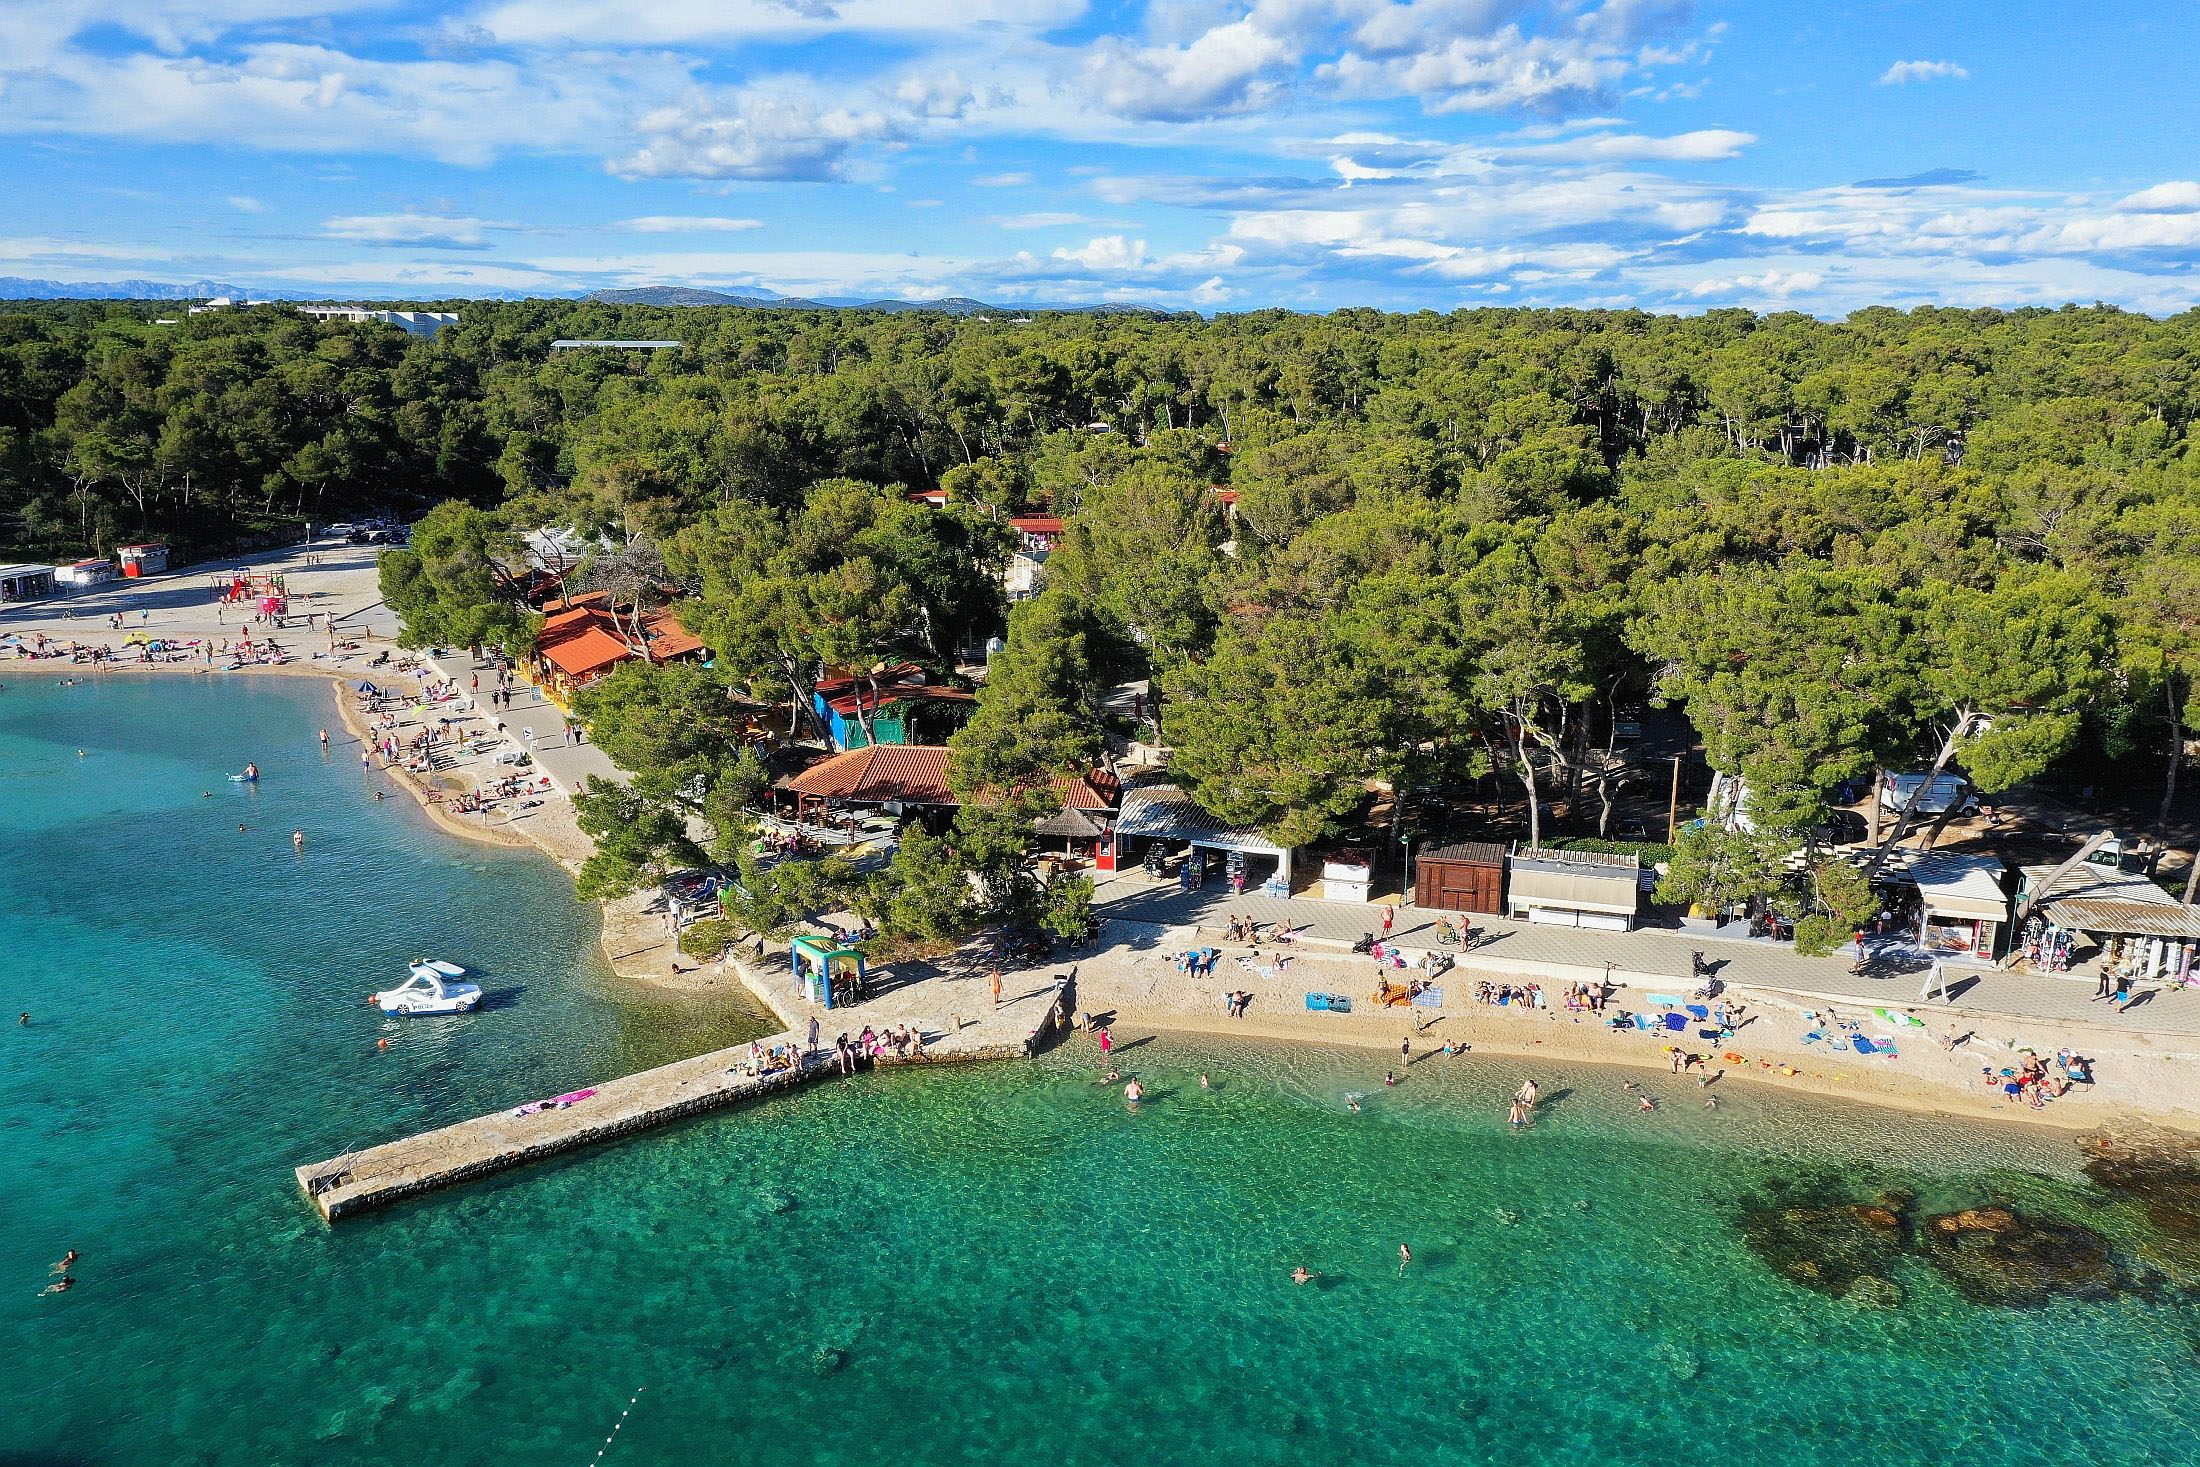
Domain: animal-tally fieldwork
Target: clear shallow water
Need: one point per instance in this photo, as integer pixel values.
(971, 1265)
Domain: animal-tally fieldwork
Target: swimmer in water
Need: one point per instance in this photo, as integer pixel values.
(1134, 1092)
(60, 1285)
(298, 839)
(1300, 1275)
(1352, 1103)
(378, 794)
(1518, 1115)
(1647, 1104)
(66, 1259)
(324, 738)
(1526, 1094)
(1405, 1256)
(1203, 1082)
(1390, 1077)
(80, 753)
(240, 827)
(1711, 1102)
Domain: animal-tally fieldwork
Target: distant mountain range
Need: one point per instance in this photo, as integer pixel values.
(18, 287)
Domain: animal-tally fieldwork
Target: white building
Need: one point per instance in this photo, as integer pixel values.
(419, 323)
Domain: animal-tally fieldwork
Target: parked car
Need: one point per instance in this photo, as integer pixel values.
(1900, 791)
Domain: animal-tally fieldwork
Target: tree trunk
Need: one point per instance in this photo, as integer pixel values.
(1526, 767)
(1962, 726)
(2192, 877)
(2176, 757)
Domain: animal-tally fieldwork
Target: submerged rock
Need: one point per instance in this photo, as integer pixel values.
(2159, 1171)
(1828, 1248)
(775, 1200)
(827, 1359)
(1996, 1256)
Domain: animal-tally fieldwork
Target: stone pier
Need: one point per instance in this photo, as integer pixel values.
(396, 1170)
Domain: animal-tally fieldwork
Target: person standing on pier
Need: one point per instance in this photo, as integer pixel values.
(996, 988)
(813, 1034)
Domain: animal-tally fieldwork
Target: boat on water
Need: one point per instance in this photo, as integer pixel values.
(434, 987)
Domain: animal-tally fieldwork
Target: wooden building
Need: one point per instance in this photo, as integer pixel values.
(1466, 876)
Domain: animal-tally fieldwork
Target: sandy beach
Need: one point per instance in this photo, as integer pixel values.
(2140, 1077)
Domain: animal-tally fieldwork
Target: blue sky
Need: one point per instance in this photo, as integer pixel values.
(1222, 156)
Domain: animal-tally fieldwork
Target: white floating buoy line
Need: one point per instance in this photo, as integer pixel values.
(621, 1422)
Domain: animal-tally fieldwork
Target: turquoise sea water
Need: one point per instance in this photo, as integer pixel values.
(969, 1265)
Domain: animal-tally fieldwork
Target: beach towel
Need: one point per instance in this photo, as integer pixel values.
(1676, 1022)
(1815, 1036)
(1900, 1021)
(1885, 1045)
(1864, 1046)
(1665, 998)
(1699, 1011)
(1644, 1021)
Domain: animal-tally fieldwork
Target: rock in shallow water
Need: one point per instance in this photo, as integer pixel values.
(1996, 1256)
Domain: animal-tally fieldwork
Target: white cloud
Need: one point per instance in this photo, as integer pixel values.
(2166, 198)
(428, 231)
(1904, 72)
(1211, 292)
(1231, 68)
(1002, 180)
(751, 135)
(1107, 252)
(1706, 145)
(687, 224)
(246, 204)
(945, 96)
(1778, 284)
(674, 22)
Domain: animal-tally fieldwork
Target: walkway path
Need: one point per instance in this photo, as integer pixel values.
(1652, 956)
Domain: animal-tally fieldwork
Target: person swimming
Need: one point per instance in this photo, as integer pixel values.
(1647, 1104)
(1301, 1275)
(1390, 1077)
(1134, 1092)
(1203, 1084)
(1518, 1115)
(60, 1285)
(66, 1259)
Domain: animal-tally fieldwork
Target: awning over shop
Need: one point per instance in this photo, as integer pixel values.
(1582, 881)
(1164, 812)
(2109, 917)
(1961, 886)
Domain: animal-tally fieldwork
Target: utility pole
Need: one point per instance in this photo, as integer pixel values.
(1673, 804)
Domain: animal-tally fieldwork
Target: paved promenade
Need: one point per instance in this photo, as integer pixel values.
(1654, 957)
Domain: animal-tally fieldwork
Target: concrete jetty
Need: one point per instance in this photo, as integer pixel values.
(379, 1175)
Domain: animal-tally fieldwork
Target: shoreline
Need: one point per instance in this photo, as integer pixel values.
(2140, 1076)
(2136, 1087)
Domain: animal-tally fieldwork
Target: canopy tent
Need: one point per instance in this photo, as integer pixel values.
(822, 967)
(1158, 810)
(1599, 889)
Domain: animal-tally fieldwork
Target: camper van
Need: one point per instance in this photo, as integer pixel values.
(1898, 791)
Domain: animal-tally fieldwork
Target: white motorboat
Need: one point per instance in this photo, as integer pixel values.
(433, 988)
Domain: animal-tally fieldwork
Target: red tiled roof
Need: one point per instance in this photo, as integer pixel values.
(1038, 524)
(589, 651)
(915, 774)
(900, 672)
(871, 702)
(667, 638)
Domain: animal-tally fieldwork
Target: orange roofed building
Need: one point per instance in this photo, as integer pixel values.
(584, 637)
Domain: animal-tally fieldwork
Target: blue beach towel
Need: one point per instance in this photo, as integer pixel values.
(1815, 1036)
(1864, 1046)
(1699, 1011)
(1676, 1022)
(1665, 998)
(1644, 1021)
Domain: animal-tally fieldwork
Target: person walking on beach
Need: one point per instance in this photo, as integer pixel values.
(1107, 1043)
(996, 987)
(1388, 915)
(1405, 1051)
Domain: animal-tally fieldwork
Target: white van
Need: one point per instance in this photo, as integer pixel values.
(1899, 791)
